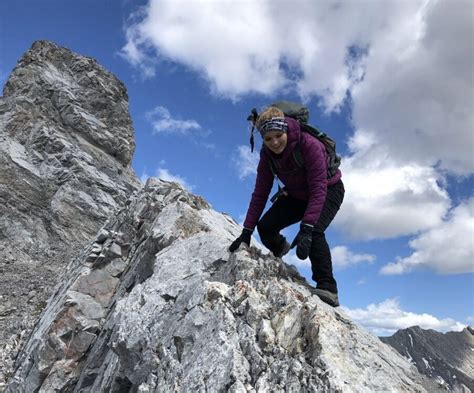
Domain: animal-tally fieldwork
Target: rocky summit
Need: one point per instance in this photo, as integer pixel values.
(446, 358)
(66, 143)
(147, 297)
(156, 303)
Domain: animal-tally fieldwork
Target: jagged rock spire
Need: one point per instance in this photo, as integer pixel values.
(61, 88)
(66, 143)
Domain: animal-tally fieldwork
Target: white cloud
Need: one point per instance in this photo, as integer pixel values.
(164, 174)
(163, 122)
(144, 177)
(133, 52)
(406, 65)
(342, 257)
(145, 173)
(447, 248)
(246, 162)
(418, 88)
(186, 32)
(292, 259)
(208, 146)
(384, 200)
(387, 317)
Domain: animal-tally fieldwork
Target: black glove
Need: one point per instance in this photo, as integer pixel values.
(303, 241)
(244, 237)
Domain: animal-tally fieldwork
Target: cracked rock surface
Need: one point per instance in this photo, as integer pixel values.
(156, 303)
(66, 142)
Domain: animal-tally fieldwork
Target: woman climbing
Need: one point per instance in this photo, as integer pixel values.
(311, 195)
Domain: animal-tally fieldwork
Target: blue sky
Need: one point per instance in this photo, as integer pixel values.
(391, 81)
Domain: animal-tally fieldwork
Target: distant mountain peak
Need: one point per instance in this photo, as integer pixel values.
(447, 358)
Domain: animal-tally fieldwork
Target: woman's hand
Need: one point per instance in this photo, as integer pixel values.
(303, 241)
(244, 237)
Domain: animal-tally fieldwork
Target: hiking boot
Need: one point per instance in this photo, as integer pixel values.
(283, 251)
(327, 297)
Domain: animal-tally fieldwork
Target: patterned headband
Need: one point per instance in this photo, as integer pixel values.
(274, 124)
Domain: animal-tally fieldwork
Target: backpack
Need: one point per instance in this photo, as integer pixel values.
(300, 113)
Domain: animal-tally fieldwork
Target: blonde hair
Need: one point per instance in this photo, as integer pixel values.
(268, 114)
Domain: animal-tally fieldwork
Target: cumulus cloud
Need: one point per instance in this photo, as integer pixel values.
(314, 56)
(245, 162)
(165, 174)
(407, 67)
(418, 87)
(186, 32)
(292, 259)
(384, 200)
(144, 177)
(447, 248)
(133, 51)
(342, 257)
(163, 122)
(406, 71)
(387, 317)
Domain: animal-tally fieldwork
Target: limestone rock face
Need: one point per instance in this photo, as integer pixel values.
(156, 303)
(66, 142)
(54, 85)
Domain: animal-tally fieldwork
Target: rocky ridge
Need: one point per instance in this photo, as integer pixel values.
(66, 143)
(446, 358)
(156, 303)
(149, 300)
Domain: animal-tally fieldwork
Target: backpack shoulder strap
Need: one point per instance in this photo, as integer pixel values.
(333, 159)
(313, 130)
(298, 156)
(271, 162)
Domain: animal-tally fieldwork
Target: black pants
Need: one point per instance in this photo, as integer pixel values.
(287, 211)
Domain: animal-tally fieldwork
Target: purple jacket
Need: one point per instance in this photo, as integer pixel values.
(308, 183)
